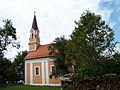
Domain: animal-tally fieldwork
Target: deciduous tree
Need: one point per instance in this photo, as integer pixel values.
(90, 42)
(58, 52)
(7, 36)
(18, 65)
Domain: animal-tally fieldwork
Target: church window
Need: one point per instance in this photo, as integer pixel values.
(52, 68)
(32, 35)
(37, 70)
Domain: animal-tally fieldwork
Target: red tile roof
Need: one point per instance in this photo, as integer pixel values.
(42, 51)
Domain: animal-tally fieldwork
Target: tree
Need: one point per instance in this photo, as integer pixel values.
(6, 70)
(111, 65)
(7, 36)
(57, 51)
(18, 65)
(90, 41)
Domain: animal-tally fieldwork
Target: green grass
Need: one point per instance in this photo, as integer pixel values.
(24, 87)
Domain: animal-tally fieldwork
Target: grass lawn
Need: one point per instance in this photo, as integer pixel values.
(24, 87)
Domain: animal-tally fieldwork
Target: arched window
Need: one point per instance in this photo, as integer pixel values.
(37, 70)
(52, 69)
(32, 35)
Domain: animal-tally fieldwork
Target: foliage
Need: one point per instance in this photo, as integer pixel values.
(18, 65)
(12, 71)
(90, 40)
(57, 50)
(110, 65)
(6, 71)
(7, 36)
(90, 46)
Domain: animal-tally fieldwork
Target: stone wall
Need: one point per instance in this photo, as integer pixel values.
(103, 82)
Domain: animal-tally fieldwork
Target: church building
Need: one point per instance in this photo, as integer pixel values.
(38, 64)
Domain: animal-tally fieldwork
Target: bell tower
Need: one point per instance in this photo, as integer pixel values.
(34, 40)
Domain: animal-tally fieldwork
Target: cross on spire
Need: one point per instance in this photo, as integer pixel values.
(34, 12)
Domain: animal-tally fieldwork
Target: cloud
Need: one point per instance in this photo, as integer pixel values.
(106, 1)
(112, 24)
(117, 2)
(118, 47)
(106, 13)
(54, 17)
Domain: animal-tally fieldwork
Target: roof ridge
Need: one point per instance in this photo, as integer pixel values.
(39, 53)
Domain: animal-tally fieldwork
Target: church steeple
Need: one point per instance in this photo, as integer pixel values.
(34, 24)
(34, 40)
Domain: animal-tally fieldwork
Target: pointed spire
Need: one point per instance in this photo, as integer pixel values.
(34, 24)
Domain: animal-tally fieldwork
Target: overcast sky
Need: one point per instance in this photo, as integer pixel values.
(55, 17)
